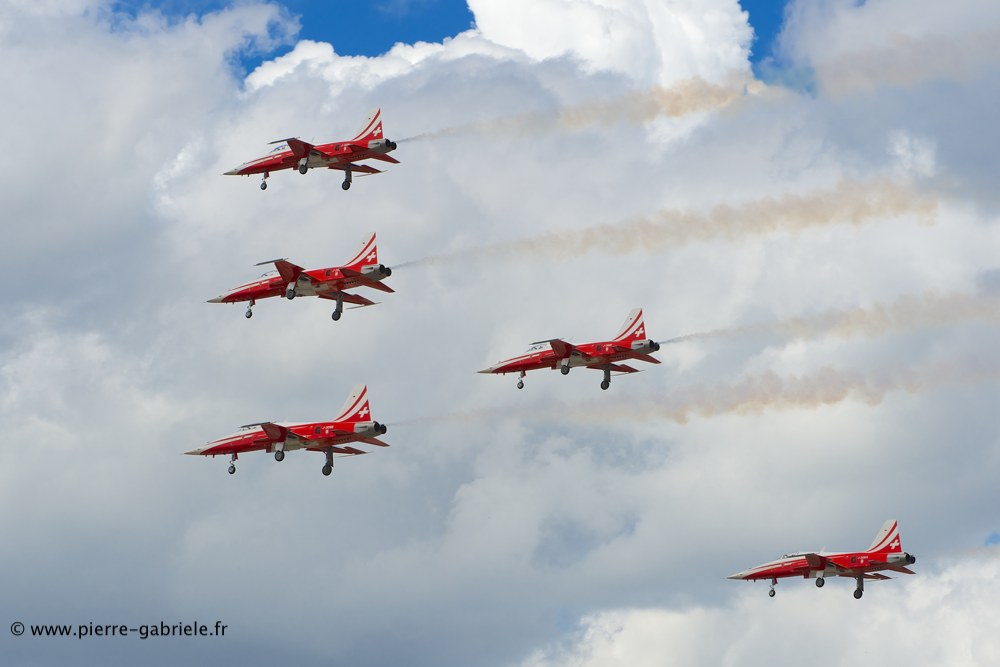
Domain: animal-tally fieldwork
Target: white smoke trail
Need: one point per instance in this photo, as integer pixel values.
(750, 394)
(637, 107)
(908, 312)
(848, 202)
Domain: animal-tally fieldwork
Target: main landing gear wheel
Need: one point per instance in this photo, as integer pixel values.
(858, 594)
(564, 370)
(605, 384)
(290, 291)
(346, 185)
(327, 469)
(336, 315)
(303, 166)
(860, 590)
(232, 469)
(279, 455)
(819, 582)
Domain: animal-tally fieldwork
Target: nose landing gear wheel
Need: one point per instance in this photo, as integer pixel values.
(248, 314)
(263, 185)
(520, 384)
(771, 593)
(232, 469)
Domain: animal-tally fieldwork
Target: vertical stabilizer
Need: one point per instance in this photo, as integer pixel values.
(366, 256)
(356, 408)
(372, 129)
(632, 329)
(887, 539)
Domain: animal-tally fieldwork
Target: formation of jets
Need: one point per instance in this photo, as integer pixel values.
(354, 424)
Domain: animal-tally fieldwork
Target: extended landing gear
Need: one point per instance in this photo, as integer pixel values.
(774, 582)
(232, 464)
(606, 382)
(520, 380)
(303, 166)
(263, 183)
(290, 291)
(347, 179)
(860, 590)
(249, 312)
(564, 367)
(328, 466)
(339, 310)
(819, 582)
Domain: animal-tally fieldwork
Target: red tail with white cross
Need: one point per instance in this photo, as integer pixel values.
(356, 408)
(887, 539)
(366, 256)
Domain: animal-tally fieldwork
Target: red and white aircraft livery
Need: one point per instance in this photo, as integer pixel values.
(630, 343)
(332, 283)
(369, 143)
(354, 424)
(885, 553)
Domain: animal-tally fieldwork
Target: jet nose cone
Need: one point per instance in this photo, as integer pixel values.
(487, 370)
(232, 172)
(738, 575)
(217, 299)
(195, 452)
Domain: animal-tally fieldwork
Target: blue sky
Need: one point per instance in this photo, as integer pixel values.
(371, 28)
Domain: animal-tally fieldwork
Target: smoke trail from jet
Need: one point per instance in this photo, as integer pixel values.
(636, 107)
(748, 395)
(908, 312)
(853, 202)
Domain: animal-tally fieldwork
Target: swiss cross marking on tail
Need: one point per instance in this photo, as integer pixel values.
(377, 132)
(895, 543)
(372, 256)
(639, 331)
(364, 412)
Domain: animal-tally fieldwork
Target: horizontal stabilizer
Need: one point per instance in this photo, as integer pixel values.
(384, 158)
(374, 441)
(902, 568)
(347, 450)
(648, 358)
(374, 284)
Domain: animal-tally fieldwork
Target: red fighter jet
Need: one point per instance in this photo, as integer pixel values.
(630, 343)
(370, 143)
(353, 425)
(885, 553)
(291, 281)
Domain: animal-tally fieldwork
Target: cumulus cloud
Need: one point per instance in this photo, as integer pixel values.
(883, 626)
(659, 174)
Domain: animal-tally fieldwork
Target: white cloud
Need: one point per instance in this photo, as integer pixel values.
(494, 527)
(890, 624)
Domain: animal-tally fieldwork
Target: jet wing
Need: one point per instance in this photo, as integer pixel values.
(299, 148)
(374, 284)
(348, 298)
(289, 272)
(815, 561)
(362, 168)
(617, 368)
(561, 348)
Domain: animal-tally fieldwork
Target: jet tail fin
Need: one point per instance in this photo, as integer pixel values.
(632, 329)
(887, 539)
(366, 256)
(356, 408)
(372, 129)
